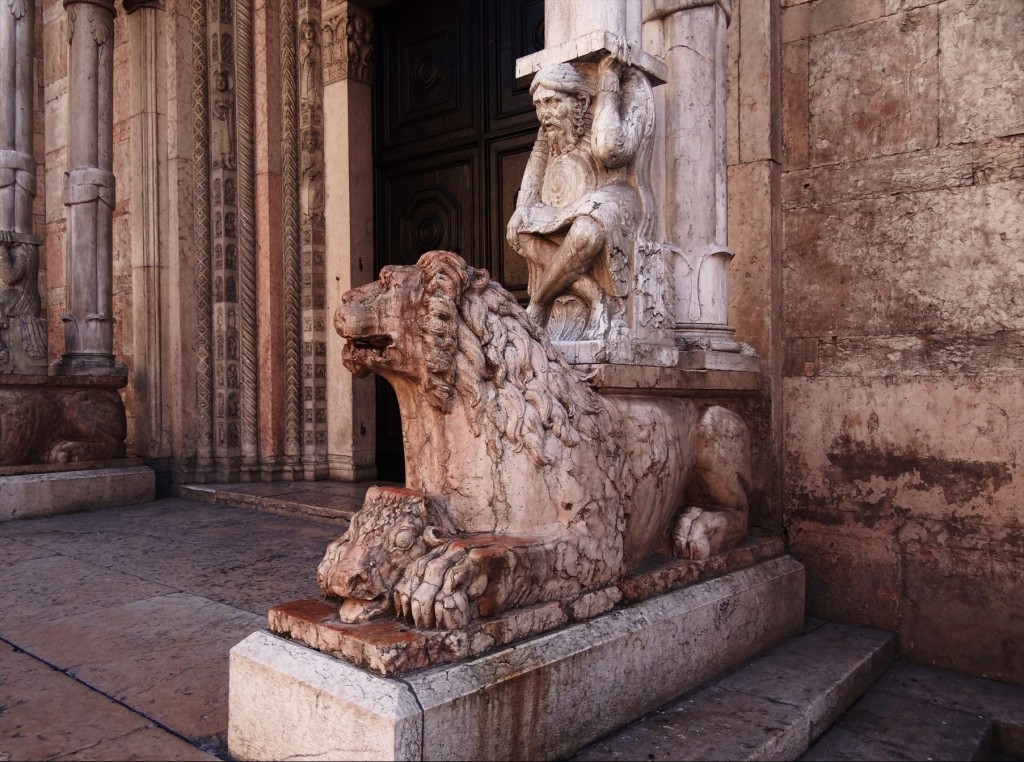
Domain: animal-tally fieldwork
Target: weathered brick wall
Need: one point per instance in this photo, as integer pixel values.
(903, 320)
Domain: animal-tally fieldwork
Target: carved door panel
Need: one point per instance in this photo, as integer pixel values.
(453, 131)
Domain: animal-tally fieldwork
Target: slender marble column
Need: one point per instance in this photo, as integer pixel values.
(89, 193)
(22, 330)
(696, 167)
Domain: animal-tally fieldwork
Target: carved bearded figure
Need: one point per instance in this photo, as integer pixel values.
(585, 200)
(22, 331)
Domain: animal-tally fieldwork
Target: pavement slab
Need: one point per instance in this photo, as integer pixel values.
(883, 726)
(130, 613)
(54, 587)
(80, 723)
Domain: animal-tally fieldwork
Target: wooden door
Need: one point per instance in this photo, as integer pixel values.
(452, 134)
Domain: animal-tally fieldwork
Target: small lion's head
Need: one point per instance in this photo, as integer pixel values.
(394, 527)
(405, 324)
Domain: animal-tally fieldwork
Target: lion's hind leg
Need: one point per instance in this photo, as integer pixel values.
(716, 492)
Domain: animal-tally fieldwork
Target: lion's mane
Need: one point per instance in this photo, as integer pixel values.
(486, 353)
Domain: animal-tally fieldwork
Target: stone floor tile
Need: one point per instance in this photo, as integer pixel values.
(48, 715)
(1001, 702)
(280, 581)
(883, 726)
(14, 549)
(54, 587)
(164, 656)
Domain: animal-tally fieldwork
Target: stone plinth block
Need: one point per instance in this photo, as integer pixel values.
(671, 382)
(390, 646)
(35, 495)
(540, 699)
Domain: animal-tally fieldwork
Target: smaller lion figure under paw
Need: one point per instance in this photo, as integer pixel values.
(525, 485)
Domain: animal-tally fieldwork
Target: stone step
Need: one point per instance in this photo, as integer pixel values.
(324, 501)
(915, 712)
(771, 708)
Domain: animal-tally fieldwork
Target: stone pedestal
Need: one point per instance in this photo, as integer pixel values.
(540, 699)
(29, 496)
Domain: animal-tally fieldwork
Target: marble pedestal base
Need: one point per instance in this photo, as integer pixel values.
(24, 496)
(540, 699)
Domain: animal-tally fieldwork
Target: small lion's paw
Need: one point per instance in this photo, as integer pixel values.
(698, 533)
(436, 590)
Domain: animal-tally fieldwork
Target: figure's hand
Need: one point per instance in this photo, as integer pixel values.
(515, 225)
(614, 63)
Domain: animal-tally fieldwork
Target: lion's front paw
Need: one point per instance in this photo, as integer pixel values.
(436, 590)
(699, 533)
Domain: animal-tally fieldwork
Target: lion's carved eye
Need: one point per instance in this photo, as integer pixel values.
(404, 538)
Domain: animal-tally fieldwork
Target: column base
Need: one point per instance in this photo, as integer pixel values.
(88, 365)
(713, 347)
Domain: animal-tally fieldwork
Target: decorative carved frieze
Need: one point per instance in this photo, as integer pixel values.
(312, 236)
(347, 43)
(223, 246)
(292, 296)
(201, 241)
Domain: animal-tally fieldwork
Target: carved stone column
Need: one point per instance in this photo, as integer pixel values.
(147, 176)
(22, 330)
(89, 193)
(347, 52)
(695, 179)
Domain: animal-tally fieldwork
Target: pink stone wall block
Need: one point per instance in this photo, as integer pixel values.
(902, 195)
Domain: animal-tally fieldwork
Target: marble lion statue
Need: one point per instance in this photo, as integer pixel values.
(524, 484)
(54, 425)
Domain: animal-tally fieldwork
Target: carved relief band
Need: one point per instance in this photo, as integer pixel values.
(312, 241)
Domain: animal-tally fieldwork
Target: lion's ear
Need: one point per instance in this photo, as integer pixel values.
(435, 536)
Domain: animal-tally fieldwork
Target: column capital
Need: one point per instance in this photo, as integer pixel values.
(347, 42)
(107, 5)
(657, 9)
(130, 6)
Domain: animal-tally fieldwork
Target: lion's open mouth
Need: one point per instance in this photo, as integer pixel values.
(376, 343)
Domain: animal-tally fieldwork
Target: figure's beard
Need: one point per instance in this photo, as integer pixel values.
(562, 138)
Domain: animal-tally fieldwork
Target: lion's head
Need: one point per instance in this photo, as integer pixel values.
(394, 527)
(464, 339)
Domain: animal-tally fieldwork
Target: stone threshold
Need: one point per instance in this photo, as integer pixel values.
(325, 501)
(389, 646)
(56, 468)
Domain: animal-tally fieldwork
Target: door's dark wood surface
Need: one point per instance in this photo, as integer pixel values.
(452, 134)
